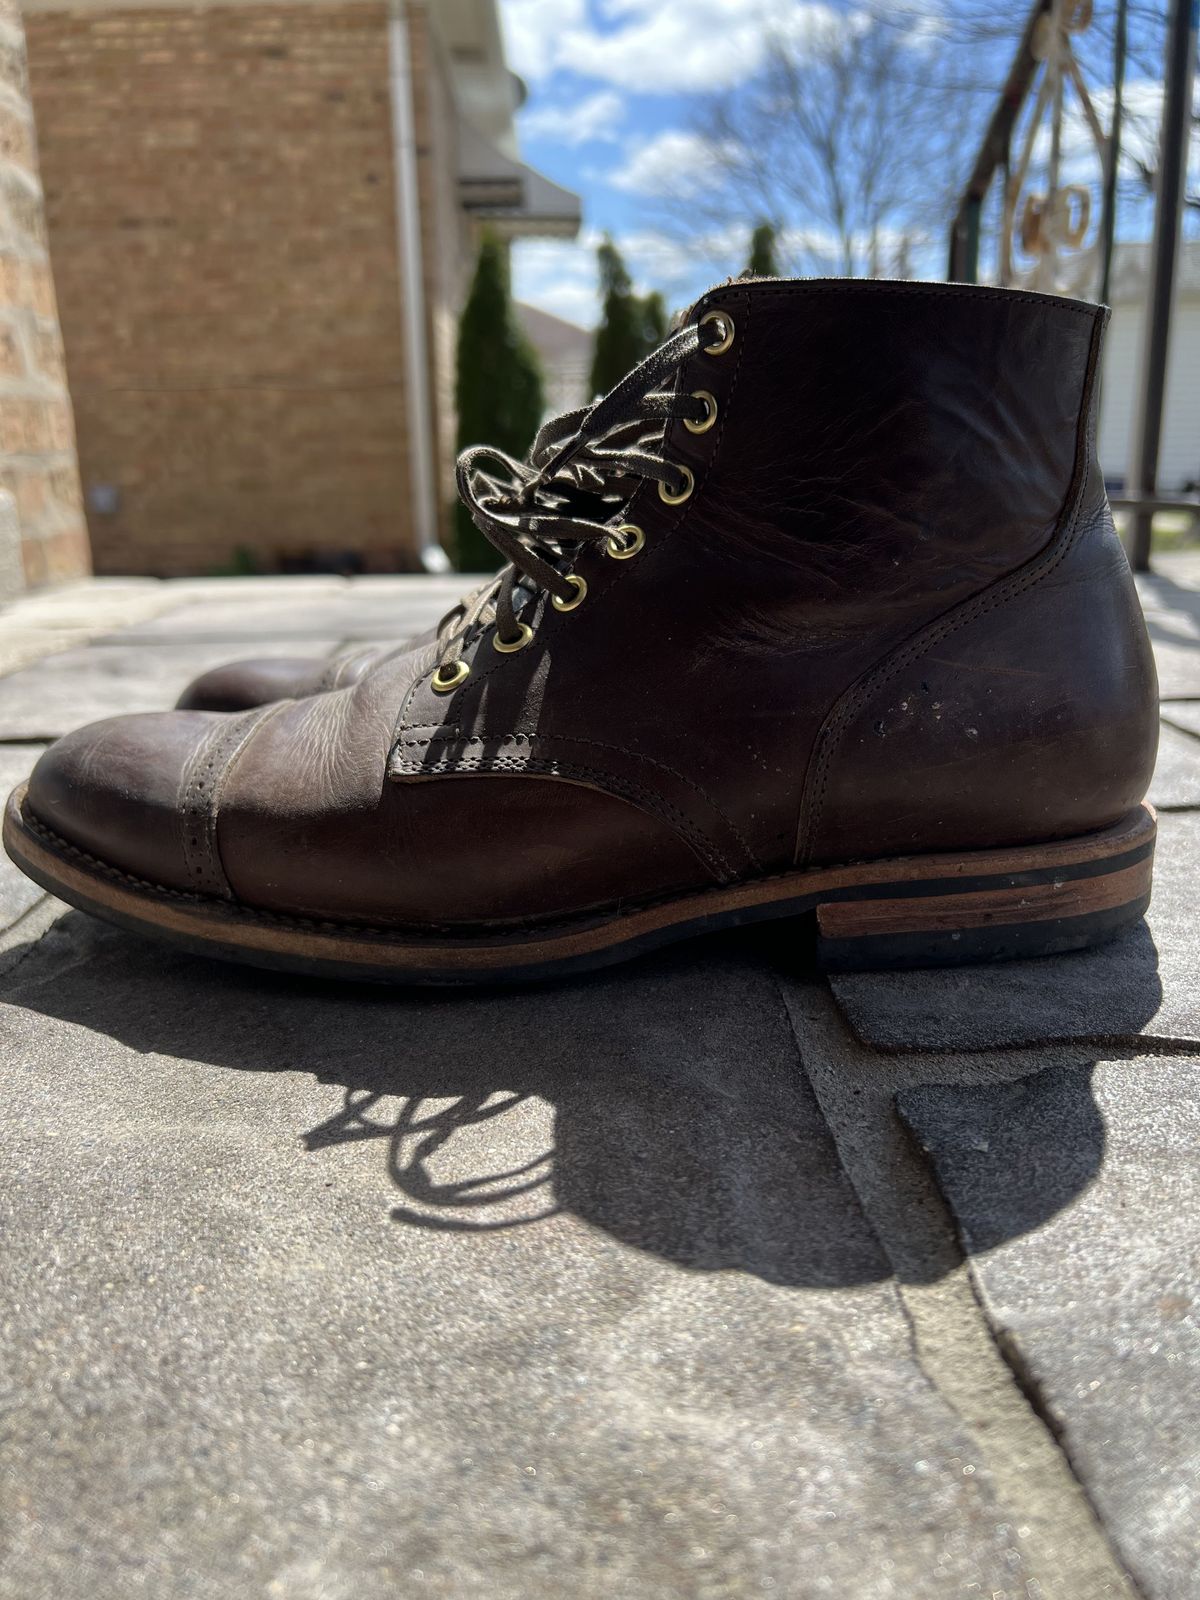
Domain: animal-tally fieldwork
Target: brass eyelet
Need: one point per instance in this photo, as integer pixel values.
(440, 683)
(726, 322)
(519, 643)
(580, 586)
(706, 424)
(620, 549)
(673, 498)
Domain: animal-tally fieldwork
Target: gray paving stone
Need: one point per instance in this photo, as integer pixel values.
(390, 613)
(1178, 663)
(17, 893)
(62, 691)
(1180, 568)
(1171, 601)
(1182, 714)
(1141, 987)
(234, 590)
(318, 1292)
(1176, 783)
(1096, 1299)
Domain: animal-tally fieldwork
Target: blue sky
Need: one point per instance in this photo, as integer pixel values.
(616, 92)
(613, 87)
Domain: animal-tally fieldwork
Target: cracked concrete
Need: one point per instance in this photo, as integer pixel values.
(695, 1278)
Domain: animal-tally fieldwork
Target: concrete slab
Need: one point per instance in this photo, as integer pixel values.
(327, 1293)
(17, 893)
(1171, 602)
(63, 691)
(235, 590)
(1178, 663)
(1142, 987)
(1176, 782)
(1095, 1299)
(51, 620)
(391, 613)
(1182, 714)
(1179, 567)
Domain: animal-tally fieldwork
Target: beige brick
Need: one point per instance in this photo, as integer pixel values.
(13, 74)
(57, 557)
(219, 194)
(12, 354)
(16, 139)
(36, 433)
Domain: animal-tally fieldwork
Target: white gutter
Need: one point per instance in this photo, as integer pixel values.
(412, 294)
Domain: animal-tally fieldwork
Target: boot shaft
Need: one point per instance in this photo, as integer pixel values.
(873, 457)
(890, 442)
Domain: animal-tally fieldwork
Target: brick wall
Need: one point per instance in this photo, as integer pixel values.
(220, 199)
(37, 442)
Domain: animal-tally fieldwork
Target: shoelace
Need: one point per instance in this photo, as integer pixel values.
(532, 510)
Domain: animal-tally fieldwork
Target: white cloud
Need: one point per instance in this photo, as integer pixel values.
(1080, 161)
(674, 162)
(680, 267)
(532, 29)
(559, 276)
(660, 46)
(562, 276)
(596, 118)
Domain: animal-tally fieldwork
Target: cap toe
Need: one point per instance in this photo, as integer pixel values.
(113, 788)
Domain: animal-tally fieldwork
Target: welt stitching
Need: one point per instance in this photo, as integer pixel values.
(381, 930)
(1007, 589)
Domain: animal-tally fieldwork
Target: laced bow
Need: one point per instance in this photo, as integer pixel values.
(534, 511)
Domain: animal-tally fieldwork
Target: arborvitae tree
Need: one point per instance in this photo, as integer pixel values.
(762, 262)
(655, 317)
(498, 390)
(630, 326)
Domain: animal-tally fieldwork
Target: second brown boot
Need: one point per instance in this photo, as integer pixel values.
(861, 648)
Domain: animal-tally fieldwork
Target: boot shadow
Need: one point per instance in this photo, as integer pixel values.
(664, 1103)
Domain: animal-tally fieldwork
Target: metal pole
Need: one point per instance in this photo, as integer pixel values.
(1168, 212)
(422, 506)
(1108, 221)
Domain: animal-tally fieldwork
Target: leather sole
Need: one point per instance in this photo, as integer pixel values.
(913, 911)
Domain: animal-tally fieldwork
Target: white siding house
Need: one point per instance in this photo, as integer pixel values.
(565, 351)
(1179, 456)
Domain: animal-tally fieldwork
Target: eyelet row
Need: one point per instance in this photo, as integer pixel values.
(625, 540)
(676, 497)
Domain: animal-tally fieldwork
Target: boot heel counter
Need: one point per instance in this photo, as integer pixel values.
(1035, 718)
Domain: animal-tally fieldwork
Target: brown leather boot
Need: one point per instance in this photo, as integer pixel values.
(862, 644)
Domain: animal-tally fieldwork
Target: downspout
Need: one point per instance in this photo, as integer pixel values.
(419, 410)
